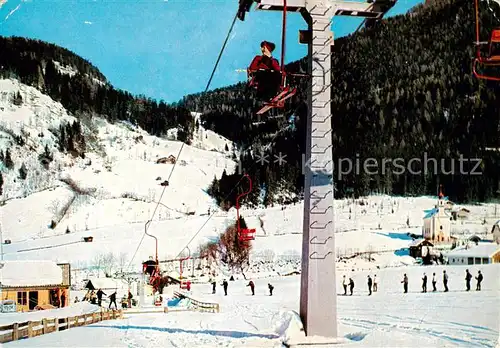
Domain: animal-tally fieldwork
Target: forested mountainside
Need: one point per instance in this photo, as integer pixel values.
(83, 90)
(403, 89)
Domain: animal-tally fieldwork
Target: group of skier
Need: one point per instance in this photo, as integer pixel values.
(468, 278)
(373, 282)
(373, 285)
(225, 285)
(94, 297)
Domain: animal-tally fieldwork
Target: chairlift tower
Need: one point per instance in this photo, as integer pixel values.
(318, 304)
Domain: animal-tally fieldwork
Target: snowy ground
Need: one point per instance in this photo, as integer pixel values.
(388, 318)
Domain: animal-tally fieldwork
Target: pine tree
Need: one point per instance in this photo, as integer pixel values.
(8, 160)
(1, 184)
(62, 139)
(17, 99)
(23, 172)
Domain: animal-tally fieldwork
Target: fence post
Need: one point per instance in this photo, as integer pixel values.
(30, 329)
(56, 324)
(68, 323)
(45, 328)
(15, 332)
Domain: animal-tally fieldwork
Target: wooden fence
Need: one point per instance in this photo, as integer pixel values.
(28, 329)
(199, 305)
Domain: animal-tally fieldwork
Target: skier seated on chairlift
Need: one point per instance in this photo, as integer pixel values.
(265, 72)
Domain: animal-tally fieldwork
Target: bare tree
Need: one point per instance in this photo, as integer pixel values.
(54, 207)
(122, 261)
(109, 263)
(97, 262)
(369, 252)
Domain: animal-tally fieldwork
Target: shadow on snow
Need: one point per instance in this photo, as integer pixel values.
(402, 236)
(233, 334)
(402, 252)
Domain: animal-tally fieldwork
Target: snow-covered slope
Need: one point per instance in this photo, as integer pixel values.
(117, 183)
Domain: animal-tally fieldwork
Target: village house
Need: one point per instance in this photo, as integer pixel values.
(449, 205)
(36, 284)
(437, 223)
(481, 254)
(420, 247)
(494, 235)
(460, 213)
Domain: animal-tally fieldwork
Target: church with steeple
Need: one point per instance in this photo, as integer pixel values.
(437, 221)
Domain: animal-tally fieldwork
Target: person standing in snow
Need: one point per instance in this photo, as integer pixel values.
(271, 288)
(375, 283)
(424, 283)
(369, 285)
(468, 278)
(224, 285)
(63, 299)
(479, 279)
(129, 299)
(252, 287)
(351, 285)
(445, 281)
(99, 296)
(214, 284)
(112, 299)
(344, 284)
(405, 283)
(93, 297)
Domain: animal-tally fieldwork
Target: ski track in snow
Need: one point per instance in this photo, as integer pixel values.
(380, 324)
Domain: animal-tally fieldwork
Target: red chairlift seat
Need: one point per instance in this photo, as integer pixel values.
(246, 235)
(182, 283)
(494, 49)
(492, 59)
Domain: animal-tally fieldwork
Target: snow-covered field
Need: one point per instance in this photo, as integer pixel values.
(388, 318)
(121, 181)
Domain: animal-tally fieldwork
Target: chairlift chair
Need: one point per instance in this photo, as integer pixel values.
(182, 283)
(245, 235)
(492, 58)
(281, 90)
